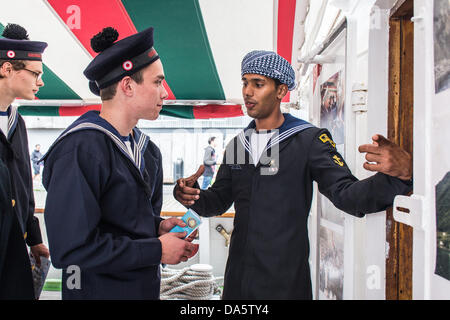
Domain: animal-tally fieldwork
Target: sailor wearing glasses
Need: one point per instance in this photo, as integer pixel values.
(20, 77)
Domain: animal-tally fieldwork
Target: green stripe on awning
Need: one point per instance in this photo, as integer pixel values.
(181, 41)
(185, 112)
(43, 111)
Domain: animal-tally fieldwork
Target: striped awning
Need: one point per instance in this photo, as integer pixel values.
(201, 44)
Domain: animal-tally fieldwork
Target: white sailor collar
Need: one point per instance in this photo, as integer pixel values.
(13, 118)
(92, 121)
(290, 126)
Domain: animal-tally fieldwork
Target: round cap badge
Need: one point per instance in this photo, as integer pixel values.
(127, 65)
(11, 54)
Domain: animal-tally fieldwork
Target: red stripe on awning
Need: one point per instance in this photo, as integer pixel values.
(85, 18)
(286, 17)
(77, 111)
(199, 112)
(217, 111)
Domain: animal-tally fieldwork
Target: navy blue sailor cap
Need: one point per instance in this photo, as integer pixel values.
(15, 45)
(117, 59)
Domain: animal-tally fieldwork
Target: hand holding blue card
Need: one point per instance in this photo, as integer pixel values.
(192, 220)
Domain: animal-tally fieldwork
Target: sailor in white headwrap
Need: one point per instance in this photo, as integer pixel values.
(269, 64)
(268, 172)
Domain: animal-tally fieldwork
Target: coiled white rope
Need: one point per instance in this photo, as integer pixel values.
(192, 283)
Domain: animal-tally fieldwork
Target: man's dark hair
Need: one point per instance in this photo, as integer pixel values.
(109, 92)
(16, 64)
(277, 82)
(211, 139)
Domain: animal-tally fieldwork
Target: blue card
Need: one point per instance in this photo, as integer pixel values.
(192, 221)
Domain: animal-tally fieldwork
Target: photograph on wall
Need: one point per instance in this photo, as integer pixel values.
(443, 227)
(441, 45)
(331, 269)
(332, 100)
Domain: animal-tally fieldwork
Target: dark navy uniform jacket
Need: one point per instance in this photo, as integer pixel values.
(103, 211)
(269, 250)
(17, 221)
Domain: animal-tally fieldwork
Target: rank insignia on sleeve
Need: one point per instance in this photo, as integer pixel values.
(324, 138)
(338, 160)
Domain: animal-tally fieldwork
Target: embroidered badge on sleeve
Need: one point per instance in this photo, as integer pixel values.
(325, 138)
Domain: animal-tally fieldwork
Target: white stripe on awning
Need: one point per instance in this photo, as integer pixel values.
(234, 28)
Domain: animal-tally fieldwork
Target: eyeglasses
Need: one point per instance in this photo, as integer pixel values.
(37, 75)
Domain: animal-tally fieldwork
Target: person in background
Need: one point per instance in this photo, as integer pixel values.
(209, 161)
(36, 155)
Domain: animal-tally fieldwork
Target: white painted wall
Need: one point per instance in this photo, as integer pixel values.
(364, 238)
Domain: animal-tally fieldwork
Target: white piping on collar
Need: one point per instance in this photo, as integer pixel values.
(275, 139)
(12, 121)
(137, 147)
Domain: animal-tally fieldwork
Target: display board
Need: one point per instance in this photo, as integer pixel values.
(331, 91)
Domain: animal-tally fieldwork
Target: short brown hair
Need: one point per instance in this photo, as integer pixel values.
(16, 64)
(109, 92)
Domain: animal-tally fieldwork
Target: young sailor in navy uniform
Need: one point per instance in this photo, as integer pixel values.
(20, 76)
(104, 180)
(268, 172)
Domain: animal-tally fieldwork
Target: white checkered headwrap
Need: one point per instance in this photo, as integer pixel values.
(269, 64)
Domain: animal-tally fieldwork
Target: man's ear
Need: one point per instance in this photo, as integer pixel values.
(126, 86)
(5, 69)
(282, 90)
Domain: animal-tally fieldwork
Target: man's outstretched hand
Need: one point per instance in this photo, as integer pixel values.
(184, 191)
(387, 157)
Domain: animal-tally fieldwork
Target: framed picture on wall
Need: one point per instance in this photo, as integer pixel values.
(331, 237)
(332, 93)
